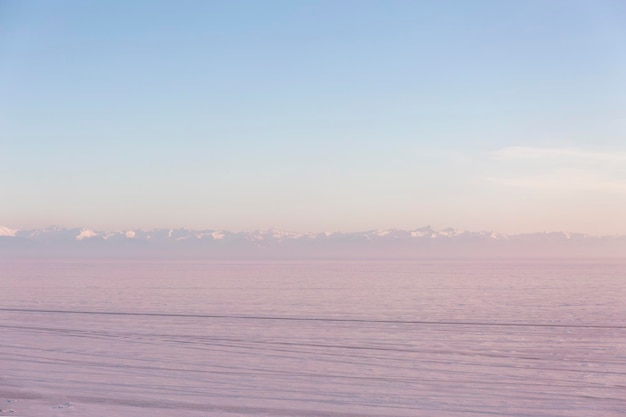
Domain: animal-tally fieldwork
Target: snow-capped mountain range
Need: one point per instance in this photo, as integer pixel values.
(388, 243)
(60, 233)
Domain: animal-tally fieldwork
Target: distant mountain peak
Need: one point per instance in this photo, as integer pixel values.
(419, 242)
(5, 231)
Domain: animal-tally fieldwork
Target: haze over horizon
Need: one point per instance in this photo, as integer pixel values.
(314, 116)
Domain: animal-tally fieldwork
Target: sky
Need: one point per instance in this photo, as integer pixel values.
(314, 116)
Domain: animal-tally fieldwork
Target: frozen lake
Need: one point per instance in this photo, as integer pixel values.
(312, 339)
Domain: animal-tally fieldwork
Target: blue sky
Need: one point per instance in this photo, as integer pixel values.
(314, 115)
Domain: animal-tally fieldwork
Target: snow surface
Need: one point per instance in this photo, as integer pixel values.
(319, 339)
(86, 234)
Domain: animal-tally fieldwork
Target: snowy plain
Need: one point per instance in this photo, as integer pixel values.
(312, 339)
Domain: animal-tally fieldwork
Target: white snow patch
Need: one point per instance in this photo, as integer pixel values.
(281, 234)
(202, 235)
(109, 235)
(498, 236)
(217, 235)
(130, 234)
(86, 234)
(5, 231)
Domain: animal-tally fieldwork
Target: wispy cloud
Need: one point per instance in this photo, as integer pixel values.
(559, 169)
(521, 152)
(566, 180)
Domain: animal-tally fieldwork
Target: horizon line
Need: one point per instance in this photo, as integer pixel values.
(7, 231)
